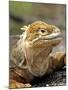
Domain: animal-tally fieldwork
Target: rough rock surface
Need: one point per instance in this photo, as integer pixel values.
(57, 78)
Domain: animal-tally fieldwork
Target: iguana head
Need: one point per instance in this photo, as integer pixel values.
(41, 34)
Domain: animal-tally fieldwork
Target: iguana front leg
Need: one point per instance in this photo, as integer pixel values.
(17, 81)
(56, 61)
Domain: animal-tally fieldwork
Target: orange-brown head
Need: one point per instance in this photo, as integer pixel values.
(39, 32)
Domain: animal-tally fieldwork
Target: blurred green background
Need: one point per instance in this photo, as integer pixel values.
(24, 13)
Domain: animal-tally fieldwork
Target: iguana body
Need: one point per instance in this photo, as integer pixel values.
(32, 54)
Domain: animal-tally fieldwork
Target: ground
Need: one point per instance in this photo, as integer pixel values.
(57, 78)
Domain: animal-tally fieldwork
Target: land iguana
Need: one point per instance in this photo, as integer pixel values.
(32, 54)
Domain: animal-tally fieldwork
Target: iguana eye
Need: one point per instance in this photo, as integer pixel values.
(43, 31)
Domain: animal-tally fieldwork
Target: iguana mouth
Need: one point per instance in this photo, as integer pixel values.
(53, 36)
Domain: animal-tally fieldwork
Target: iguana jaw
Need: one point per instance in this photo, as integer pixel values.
(51, 36)
(43, 41)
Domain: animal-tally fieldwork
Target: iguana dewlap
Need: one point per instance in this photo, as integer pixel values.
(32, 53)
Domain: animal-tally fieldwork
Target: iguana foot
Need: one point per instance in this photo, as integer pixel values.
(14, 84)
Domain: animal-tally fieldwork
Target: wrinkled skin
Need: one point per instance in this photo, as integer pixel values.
(32, 54)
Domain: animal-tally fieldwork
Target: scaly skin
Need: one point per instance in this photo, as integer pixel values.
(32, 54)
